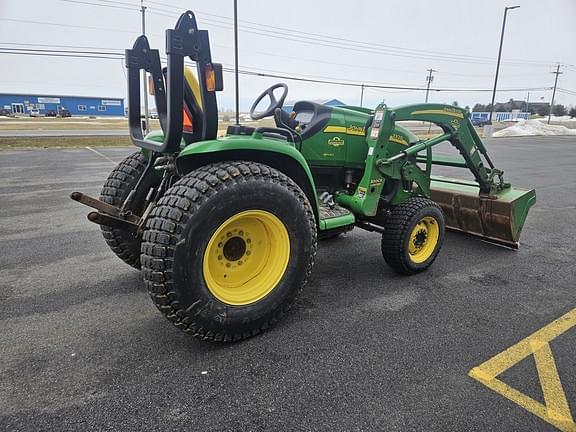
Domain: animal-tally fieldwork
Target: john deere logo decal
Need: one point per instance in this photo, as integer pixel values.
(455, 124)
(336, 142)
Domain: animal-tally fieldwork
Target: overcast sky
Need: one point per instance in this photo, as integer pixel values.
(386, 42)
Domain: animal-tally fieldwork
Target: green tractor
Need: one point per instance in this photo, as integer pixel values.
(225, 229)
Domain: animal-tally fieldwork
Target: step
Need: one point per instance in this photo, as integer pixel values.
(335, 217)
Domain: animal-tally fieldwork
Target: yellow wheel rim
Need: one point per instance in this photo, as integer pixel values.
(246, 257)
(423, 239)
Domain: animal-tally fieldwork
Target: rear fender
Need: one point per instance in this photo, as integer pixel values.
(274, 153)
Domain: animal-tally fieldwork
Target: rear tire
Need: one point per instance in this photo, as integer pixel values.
(227, 250)
(413, 235)
(124, 243)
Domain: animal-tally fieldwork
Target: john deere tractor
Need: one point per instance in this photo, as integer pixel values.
(225, 229)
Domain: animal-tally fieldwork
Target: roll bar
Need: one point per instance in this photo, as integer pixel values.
(185, 40)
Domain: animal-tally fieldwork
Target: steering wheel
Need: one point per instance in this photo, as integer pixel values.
(274, 103)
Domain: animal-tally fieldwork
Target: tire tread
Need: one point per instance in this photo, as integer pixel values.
(115, 189)
(393, 246)
(167, 221)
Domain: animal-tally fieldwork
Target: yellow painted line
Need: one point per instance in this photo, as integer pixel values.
(554, 396)
(556, 410)
(440, 112)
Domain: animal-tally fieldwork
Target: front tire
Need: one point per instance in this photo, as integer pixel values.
(413, 235)
(228, 249)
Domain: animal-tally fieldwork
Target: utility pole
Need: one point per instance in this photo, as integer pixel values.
(506, 9)
(144, 76)
(236, 61)
(528, 104)
(429, 80)
(557, 72)
(362, 95)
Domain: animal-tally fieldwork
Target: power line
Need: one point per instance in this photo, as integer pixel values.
(303, 59)
(296, 38)
(346, 40)
(119, 3)
(368, 84)
(62, 46)
(377, 86)
(351, 44)
(25, 50)
(102, 5)
(67, 25)
(363, 50)
(59, 55)
(385, 91)
(329, 38)
(354, 48)
(302, 78)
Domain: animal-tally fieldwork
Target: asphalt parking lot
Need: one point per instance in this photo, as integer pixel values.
(83, 347)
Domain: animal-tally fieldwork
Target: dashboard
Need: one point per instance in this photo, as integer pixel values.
(304, 117)
(310, 117)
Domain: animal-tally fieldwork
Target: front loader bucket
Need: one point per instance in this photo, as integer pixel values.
(498, 218)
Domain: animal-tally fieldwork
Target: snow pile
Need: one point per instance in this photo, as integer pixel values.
(565, 118)
(534, 128)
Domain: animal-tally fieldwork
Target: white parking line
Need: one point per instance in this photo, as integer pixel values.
(101, 155)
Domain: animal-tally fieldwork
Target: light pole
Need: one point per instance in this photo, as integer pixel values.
(506, 9)
(237, 89)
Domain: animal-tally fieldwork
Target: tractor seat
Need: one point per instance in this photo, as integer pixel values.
(193, 108)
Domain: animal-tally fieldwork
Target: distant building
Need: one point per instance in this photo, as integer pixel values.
(539, 107)
(500, 116)
(289, 105)
(23, 104)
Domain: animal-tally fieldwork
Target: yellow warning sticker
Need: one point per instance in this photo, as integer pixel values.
(555, 410)
(397, 138)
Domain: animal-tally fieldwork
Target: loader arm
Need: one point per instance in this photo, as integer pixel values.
(460, 132)
(489, 207)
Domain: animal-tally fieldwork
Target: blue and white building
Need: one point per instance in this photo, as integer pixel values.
(24, 104)
(500, 116)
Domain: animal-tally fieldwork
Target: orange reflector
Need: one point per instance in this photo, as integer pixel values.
(187, 124)
(210, 77)
(150, 85)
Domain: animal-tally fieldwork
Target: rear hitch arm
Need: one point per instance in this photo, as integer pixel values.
(111, 221)
(107, 214)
